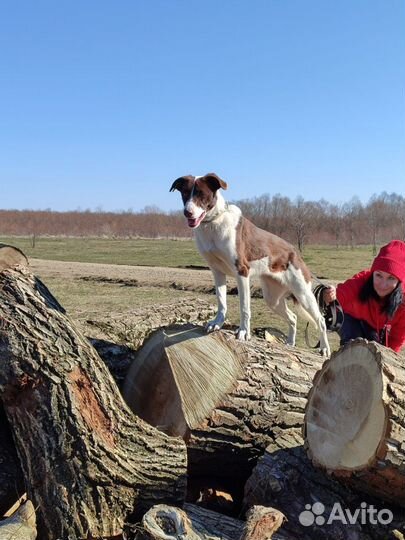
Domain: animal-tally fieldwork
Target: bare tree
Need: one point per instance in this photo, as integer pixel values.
(334, 214)
(281, 210)
(379, 214)
(397, 206)
(351, 217)
(302, 220)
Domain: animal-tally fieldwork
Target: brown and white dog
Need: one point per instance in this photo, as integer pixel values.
(232, 245)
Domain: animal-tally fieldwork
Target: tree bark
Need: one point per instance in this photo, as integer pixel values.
(228, 400)
(287, 480)
(87, 460)
(355, 419)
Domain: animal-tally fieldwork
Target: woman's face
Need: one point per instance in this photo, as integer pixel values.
(384, 283)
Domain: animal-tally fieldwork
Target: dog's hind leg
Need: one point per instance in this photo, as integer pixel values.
(274, 296)
(283, 311)
(309, 304)
(220, 291)
(304, 295)
(243, 332)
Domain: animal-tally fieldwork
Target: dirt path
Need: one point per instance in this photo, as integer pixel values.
(181, 278)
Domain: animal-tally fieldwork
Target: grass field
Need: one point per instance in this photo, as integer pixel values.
(327, 262)
(89, 299)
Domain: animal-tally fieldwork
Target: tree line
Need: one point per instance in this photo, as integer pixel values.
(299, 221)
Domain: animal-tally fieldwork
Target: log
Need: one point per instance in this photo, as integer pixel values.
(87, 460)
(228, 400)
(11, 479)
(132, 328)
(289, 481)
(117, 340)
(21, 525)
(355, 419)
(164, 522)
(12, 257)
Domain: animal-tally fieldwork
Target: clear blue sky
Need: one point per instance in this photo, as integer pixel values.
(105, 103)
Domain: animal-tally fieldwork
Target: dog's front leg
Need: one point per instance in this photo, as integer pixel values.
(220, 290)
(243, 332)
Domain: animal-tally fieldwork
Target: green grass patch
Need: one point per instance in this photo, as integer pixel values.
(327, 262)
(134, 252)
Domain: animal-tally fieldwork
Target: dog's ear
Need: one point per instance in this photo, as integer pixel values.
(179, 183)
(214, 181)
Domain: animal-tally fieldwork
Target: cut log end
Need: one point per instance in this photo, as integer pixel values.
(354, 421)
(186, 372)
(11, 258)
(262, 522)
(346, 417)
(163, 522)
(21, 525)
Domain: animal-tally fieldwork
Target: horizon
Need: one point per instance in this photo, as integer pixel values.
(103, 106)
(150, 209)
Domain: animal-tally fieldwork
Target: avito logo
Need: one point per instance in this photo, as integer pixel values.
(314, 514)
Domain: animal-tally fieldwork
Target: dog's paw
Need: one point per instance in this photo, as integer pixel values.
(325, 352)
(214, 325)
(242, 335)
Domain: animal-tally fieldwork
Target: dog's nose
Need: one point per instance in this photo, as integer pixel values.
(188, 214)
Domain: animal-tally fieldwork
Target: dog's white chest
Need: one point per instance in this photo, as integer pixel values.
(216, 241)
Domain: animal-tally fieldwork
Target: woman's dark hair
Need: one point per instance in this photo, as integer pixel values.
(392, 302)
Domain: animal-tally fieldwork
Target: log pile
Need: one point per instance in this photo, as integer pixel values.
(212, 424)
(227, 417)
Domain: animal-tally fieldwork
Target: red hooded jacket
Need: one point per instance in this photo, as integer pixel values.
(348, 293)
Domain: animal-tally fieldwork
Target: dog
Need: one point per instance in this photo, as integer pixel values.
(233, 245)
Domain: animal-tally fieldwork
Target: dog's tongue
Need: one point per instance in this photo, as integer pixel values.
(195, 222)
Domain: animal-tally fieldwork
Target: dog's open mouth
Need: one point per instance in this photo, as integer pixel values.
(194, 222)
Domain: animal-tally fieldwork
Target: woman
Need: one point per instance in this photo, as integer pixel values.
(373, 300)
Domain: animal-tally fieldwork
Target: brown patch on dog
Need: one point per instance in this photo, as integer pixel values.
(253, 244)
(204, 192)
(184, 184)
(88, 404)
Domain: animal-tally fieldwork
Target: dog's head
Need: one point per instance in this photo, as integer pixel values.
(199, 195)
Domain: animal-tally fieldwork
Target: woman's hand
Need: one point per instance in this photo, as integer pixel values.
(329, 295)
